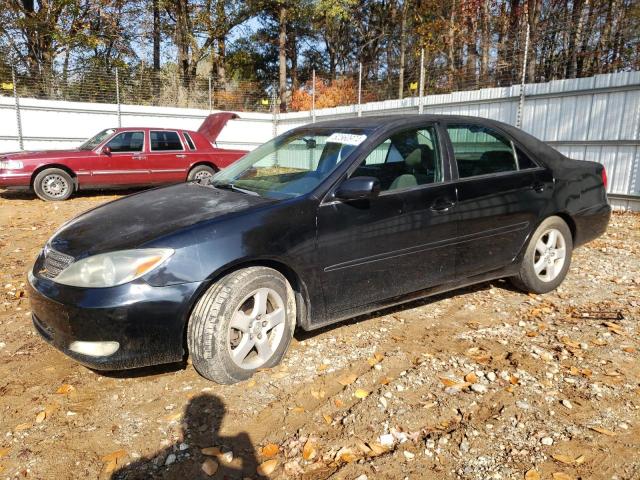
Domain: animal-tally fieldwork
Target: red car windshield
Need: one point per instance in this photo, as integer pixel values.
(96, 140)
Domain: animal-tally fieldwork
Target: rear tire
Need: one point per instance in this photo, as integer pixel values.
(243, 322)
(200, 173)
(53, 185)
(547, 258)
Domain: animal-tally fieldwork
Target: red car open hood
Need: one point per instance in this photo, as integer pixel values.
(214, 123)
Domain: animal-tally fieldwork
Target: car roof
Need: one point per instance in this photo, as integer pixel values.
(389, 121)
(137, 129)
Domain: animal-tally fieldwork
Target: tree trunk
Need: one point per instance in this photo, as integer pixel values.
(156, 36)
(577, 20)
(485, 43)
(451, 36)
(534, 15)
(282, 57)
(182, 41)
(403, 46)
(155, 74)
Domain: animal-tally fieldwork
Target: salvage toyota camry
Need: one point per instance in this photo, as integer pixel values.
(322, 223)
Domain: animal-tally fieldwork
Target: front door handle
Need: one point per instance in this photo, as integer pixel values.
(442, 206)
(139, 157)
(181, 156)
(538, 187)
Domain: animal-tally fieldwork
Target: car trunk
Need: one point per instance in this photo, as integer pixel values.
(214, 123)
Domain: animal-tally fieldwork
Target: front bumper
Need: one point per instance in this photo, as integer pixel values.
(147, 322)
(9, 178)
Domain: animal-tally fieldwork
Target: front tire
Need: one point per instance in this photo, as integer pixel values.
(243, 322)
(53, 185)
(547, 259)
(200, 173)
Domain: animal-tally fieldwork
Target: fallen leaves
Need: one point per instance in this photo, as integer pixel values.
(532, 475)
(471, 377)
(210, 466)
(267, 468)
(309, 451)
(65, 389)
(615, 328)
(360, 393)
(377, 358)
(270, 450)
(41, 416)
(561, 476)
(112, 460)
(346, 455)
(347, 379)
(211, 451)
(604, 431)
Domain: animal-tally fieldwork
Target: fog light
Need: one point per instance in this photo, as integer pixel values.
(95, 349)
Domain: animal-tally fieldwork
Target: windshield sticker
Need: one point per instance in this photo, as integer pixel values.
(346, 139)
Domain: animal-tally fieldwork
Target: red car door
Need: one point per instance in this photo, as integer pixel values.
(167, 159)
(122, 161)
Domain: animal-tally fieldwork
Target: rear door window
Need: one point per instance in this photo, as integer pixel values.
(126, 142)
(481, 151)
(162, 141)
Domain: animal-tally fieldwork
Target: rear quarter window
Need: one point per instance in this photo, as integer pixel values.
(189, 140)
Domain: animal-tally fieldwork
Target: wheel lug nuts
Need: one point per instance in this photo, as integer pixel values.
(259, 336)
(264, 324)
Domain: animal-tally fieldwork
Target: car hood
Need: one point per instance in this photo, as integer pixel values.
(45, 154)
(140, 218)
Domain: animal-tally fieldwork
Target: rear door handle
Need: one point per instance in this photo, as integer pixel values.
(441, 206)
(181, 156)
(538, 187)
(139, 157)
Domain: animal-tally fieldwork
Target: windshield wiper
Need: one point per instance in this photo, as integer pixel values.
(231, 186)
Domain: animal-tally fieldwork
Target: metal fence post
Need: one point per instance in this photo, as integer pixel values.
(274, 110)
(118, 99)
(210, 97)
(360, 90)
(17, 100)
(421, 89)
(313, 96)
(524, 74)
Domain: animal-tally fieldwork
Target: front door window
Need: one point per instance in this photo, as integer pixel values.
(406, 159)
(126, 142)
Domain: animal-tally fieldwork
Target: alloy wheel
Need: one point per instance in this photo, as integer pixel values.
(549, 255)
(256, 328)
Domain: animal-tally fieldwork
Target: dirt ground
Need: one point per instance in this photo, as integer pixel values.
(482, 383)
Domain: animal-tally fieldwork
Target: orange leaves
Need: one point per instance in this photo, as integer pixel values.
(270, 450)
(113, 460)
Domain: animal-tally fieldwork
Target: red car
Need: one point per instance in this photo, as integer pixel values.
(119, 157)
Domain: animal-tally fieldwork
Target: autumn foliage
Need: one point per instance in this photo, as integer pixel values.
(329, 93)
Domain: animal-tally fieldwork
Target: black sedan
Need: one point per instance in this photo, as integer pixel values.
(325, 222)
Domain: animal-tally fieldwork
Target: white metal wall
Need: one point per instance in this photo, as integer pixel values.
(595, 118)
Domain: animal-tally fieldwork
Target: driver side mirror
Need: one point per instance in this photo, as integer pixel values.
(106, 151)
(358, 188)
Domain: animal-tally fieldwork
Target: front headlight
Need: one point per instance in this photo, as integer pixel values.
(11, 164)
(111, 269)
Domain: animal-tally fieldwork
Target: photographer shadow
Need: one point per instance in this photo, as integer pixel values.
(201, 429)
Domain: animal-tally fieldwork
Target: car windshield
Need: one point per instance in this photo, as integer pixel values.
(292, 164)
(96, 140)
